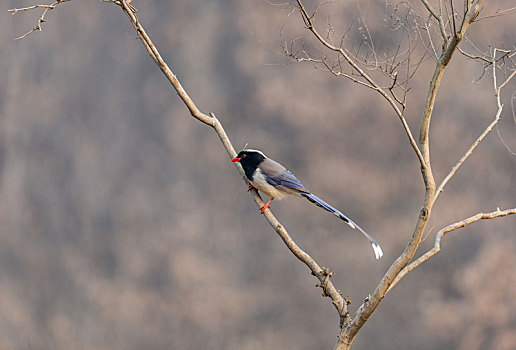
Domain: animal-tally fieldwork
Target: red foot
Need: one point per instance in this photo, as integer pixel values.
(267, 205)
(250, 188)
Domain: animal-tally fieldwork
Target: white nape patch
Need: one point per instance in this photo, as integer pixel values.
(254, 150)
(262, 185)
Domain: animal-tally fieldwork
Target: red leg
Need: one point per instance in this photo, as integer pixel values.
(262, 209)
(250, 188)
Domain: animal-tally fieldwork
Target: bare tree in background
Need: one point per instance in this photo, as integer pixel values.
(429, 29)
(389, 74)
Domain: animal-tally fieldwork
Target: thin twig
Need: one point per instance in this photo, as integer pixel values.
(438, 17)
(499, 132)
(364, 23)
(453, 18)
(498, 13)
(308, 20)
(487, 130)
(437, 243)
(474, 57)
(436, 56)
(41, 18)
(16, 10)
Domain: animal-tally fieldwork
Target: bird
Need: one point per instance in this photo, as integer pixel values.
(273, 179)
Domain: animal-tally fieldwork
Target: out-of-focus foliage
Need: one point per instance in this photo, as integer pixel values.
(123, 226)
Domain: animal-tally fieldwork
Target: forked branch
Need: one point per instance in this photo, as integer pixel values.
(437, 243)
(499, 107)
(439, 17)
(41, 18)
(309, 23)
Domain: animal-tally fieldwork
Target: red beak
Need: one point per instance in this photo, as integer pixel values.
(236, 159)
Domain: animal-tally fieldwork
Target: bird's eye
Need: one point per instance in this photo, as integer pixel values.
(244, 155)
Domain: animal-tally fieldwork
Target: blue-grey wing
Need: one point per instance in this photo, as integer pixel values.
(276, 175)
(286, 179)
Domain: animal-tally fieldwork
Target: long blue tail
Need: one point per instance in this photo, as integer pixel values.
(320, 203)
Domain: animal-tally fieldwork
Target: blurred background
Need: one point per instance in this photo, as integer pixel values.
(123, 225)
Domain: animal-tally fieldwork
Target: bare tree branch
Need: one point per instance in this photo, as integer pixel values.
(322, 274)
(454, 26)
(449, 46)
(474, 57)
(437, 243)
(438, 73)
(487, 130)
(438, 17)
(350, 330)
(16, 10)
(498, 13)
(41, 19)
(308, 20)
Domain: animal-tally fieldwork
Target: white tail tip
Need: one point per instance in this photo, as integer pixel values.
(377, 251)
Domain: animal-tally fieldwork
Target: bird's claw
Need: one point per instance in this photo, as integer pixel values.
(262, 209)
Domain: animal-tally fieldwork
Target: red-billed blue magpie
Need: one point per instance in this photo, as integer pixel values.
(276, 181)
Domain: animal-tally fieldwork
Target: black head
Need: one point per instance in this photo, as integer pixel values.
(249, 159)
(249, 156)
